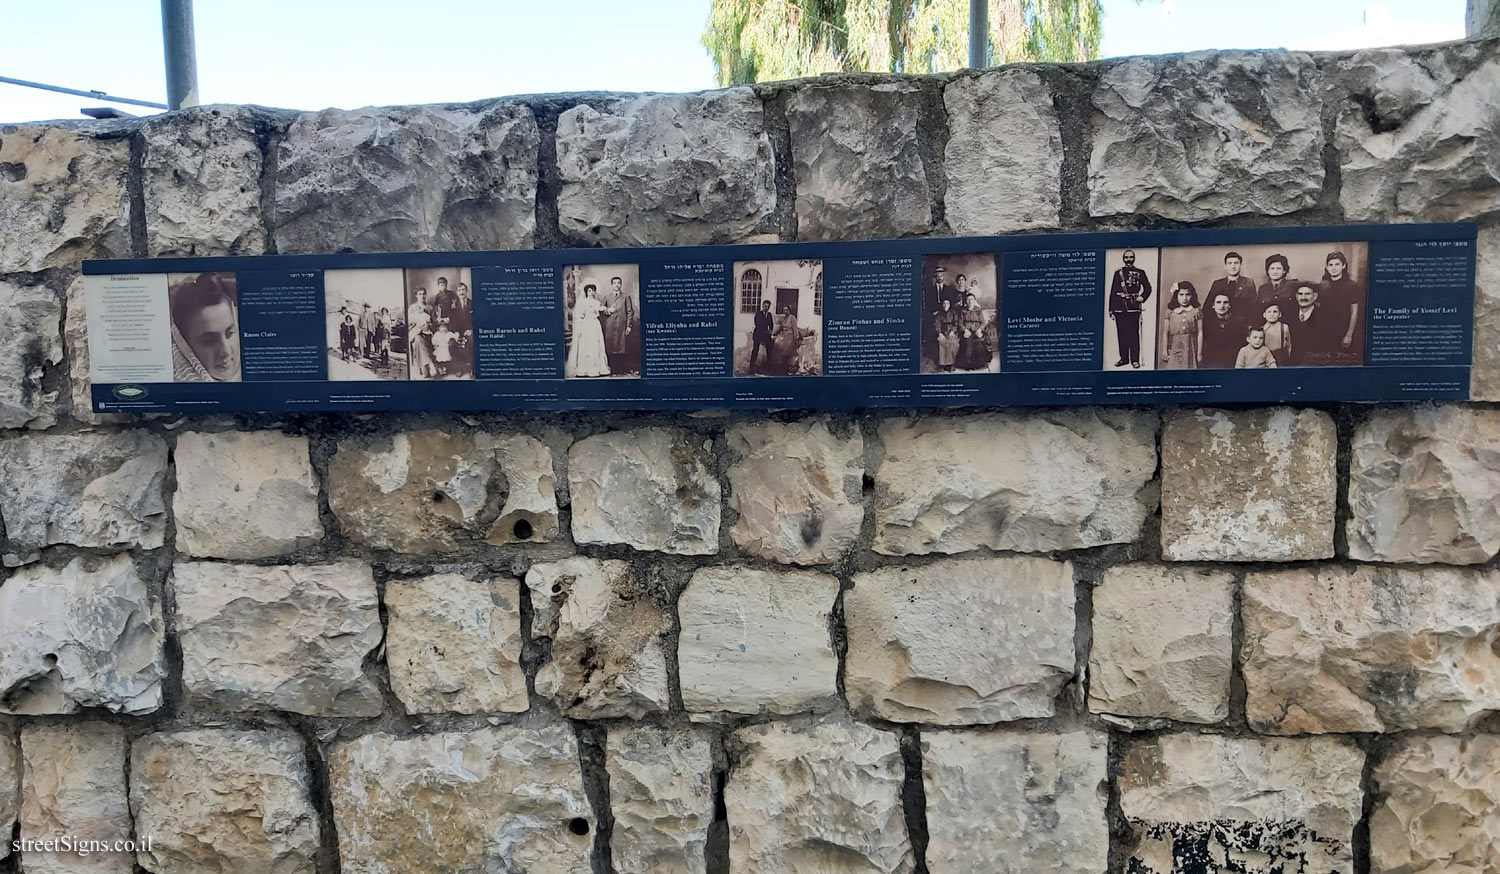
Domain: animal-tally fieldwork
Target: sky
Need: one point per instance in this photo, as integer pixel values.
(311, 54)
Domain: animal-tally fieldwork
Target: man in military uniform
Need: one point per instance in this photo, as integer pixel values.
(1240, 288)
(1127, 294)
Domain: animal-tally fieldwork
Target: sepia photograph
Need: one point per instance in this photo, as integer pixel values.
(204, 309)
(601, 321)
(778, 318)
(1130, 281)
(1263, 306)
(365, 324)
(439, 323)
(960, 312)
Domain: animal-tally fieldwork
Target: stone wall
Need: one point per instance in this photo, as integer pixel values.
(1119, 639)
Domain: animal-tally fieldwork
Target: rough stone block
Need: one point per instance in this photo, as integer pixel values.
(795, 488)
(288, 637)
(73, 786)
(86, 635)
(453, 644)
(960, 642)
(1484, 382)
(1016, 803)
(650, 489)
(755, 641)
(1208, 803)
(75, 340)
(407, 177)
(1436, 807)
(530, 511)
(850, 141)
(1163, 644)
(30, 344)
(1364, 648)
(1248, 485)
(608, 656)
(825, 797)
(1424, 486)
(1004, 154)
(1029, 482)
(63, 195)
(665, 169)
(662, 796)
(1207, 135)
(244, 494)
(491, 799)
(10, 787)
(236, 802)
(200, 174)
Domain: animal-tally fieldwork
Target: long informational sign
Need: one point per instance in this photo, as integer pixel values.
(1361, 313)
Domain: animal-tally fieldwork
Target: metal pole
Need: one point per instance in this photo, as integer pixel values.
(97, 95)
(979, 34)
(181, 53)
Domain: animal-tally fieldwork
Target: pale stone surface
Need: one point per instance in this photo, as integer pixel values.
(1004, 154)
(755, 641)
(453, 644)
(530, 511)
(649, 488)
(89, 634)
(1438, 798)
(30, 344)
(1482, 19)
(662, 796)
(407, 177)
(73, 785)
(608, 657)
(960, 642)
(1163, 644)
(1366, 648)
(1416, 134)
(87, 489)
(1032, 482)
(244, 494)
(75, 340)
(235, 802)
(1016, 803)
(1210, 803)
(200, 175)
(1424, 486)
(796, 489)
(1248, 485)
(848, 141)
(1207, 135)
(1484, 384)
(10, 786)
(822, 798)
(490, 799)
(63, 195)
(665, 169)
(288, 637)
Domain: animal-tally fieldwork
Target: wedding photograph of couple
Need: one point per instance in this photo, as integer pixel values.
(601, 324)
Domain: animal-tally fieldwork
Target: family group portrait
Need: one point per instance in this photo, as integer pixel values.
(439, 323)
(204, 310)
(960, 313)
(365, 322)
(778, 318)
(601, 321)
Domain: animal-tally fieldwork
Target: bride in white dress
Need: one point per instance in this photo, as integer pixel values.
(586, 357)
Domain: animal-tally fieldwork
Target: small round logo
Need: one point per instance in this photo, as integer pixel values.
(129, 392)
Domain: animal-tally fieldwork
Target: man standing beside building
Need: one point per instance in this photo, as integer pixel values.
(761, 336)
(1127, 293)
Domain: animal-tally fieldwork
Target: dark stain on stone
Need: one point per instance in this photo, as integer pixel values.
(1235, 847)
(12, 172)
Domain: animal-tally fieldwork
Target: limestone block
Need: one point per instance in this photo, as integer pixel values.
(1210, 803)
(1424, 486)
(1484, 383)
(1014, 617)
(63, 196)
(236, 802)
(88, 634)
(1415, 133)
(755, 641)
(1207, 135)
(665, 169)
(488, 799)
(287, 637)
(1029, 482)
(796, 490)
(649, 488)
(1163, 644)
(244, 494)
(662, 795)
(73, 785)
(825, 797)
(1004, 154)
(86, 489)
(30, 344)
(1016, 803)
(608, 657)
(400, 178)
(1436, 809)
(849, 141)
(75, 341)
(453, 644)
(1248, 485)
(1365, 648)
(200, 174)
(530, 511)
(10, 787)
